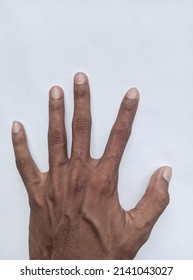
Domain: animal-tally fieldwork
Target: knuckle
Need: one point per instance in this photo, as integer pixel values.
(80, 92)
(112, 156)
(56, 137)
(105, 181)
(163, 198)
(81, 124)
(22, 163)
(112, 153)
(19, 141)
(77, 183)
(105, 184)
(79, 153)
(121, 134)
(128, 108)
(56, 106)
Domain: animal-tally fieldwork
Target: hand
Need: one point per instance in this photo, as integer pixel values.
(75, 209)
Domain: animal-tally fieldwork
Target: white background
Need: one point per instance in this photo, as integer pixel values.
(119, 44)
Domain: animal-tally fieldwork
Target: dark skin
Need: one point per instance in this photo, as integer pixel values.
(75, 209)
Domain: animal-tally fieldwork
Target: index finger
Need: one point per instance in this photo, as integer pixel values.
(121, 129)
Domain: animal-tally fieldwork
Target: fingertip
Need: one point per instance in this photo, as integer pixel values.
(56, 92)
(132, 93)
(160, 179)
(80, 78)
(167, 173)
(16, 127)
(159, 183)
(18, 133)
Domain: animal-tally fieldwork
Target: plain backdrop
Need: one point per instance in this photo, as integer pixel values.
(119, 44)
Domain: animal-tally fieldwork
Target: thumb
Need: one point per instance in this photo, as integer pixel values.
(155, 199)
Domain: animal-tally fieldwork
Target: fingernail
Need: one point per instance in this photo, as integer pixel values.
(16, 127)
(167, 174)
(80, 78)
(133, 93)
(55, 93)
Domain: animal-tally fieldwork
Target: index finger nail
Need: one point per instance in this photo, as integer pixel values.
(133, 93)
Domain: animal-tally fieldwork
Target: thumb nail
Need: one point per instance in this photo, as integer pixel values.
(167, 174)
